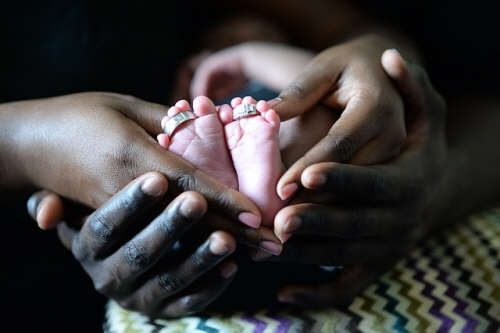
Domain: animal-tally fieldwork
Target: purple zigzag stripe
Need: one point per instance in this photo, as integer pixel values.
(260, 326)
(437, 305)
(284, 325)
(470, 322)
(423, 320)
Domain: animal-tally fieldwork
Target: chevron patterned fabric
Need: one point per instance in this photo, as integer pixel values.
(451, 283)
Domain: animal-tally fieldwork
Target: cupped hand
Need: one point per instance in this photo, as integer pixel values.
(86, 147)
(349, 80)
(366, 218)
(132, 248)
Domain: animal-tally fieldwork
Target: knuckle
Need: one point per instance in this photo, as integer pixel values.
(184, 181)
(170, 283)
(204, 258)
(100, 225)
(243, 234)
(136, 255)
(197, 261)
(167, 226)
(223, 201)
(187, 181)
(343, 147)
(293, 89)
(131, 202)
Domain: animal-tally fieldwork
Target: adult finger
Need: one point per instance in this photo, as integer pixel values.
(382, 183)
(148, 246)
(46, 208)
(421, 99)
(196, 298)
(370, 130)
(341, 222)
(307, 89)
(110, 223)
(183, 273)
(329, 251)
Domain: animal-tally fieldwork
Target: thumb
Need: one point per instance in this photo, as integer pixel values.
(146, 114)
(306, 90)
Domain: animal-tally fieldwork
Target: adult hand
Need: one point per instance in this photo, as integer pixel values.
(379, 212)
(349, 80)
(86, 147)
(160, 261)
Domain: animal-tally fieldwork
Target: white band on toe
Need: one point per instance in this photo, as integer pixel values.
(245, 110)
(177, 120)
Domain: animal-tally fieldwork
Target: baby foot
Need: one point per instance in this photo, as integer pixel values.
(253, 143)
(201, 141)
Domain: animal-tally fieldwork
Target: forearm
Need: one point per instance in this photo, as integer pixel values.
(473, 165)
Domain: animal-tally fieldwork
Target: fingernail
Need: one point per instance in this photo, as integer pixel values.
(316, 179)
(288, 190)
(152, 186)
(249, 219)
(219, 247)
(229, 270)
(190, 208)
(274, 101)
(261, 255)
(271, 247)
